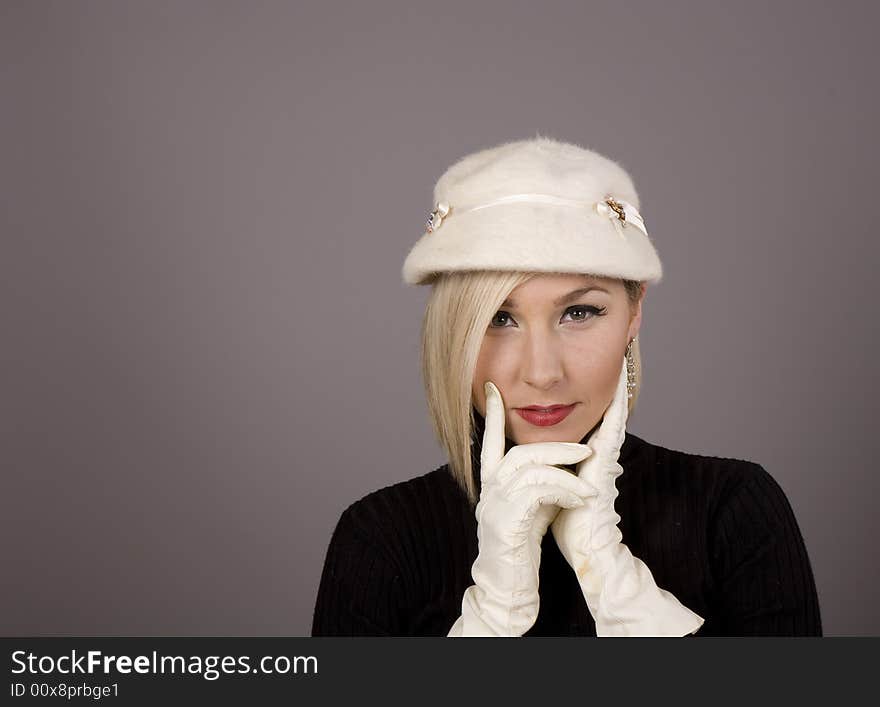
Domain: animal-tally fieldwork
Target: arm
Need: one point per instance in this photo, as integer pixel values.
(619, 588)
(764, 581)
(360, 591)
(520, 494)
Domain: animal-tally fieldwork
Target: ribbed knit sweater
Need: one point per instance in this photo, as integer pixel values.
(718, 533)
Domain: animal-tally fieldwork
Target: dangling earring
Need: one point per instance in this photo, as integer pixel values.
(630, 368)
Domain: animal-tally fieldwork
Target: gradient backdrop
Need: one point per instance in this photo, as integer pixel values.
(208, 351)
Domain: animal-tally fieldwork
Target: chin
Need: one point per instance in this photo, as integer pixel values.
(565, 431)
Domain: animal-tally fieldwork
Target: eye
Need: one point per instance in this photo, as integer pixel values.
(580, 313)
(588, 310)
(499, 314)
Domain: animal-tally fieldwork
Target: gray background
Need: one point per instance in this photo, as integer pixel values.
(208, 351)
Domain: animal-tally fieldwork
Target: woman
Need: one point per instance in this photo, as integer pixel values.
(549, 518)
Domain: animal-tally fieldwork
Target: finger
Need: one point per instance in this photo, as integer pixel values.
(609, 437)
(552, 496)
(529, 478)
(542, 453)
(492, 450)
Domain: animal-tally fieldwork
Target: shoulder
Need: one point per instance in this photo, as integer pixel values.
(720, 480)
(419, 492)
(391, 514)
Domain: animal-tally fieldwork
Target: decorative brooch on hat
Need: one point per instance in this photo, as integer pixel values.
(435, 218)
(621, 213)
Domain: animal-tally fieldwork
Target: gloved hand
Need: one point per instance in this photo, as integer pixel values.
(619, 588)
(521, 492)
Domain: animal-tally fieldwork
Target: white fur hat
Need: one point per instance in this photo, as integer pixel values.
(537, 205)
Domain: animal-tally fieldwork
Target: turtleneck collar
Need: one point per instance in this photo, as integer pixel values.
(477, 445)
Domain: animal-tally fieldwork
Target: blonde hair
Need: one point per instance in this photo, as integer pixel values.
(459, 310)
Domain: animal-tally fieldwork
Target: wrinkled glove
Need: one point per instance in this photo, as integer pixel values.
(521, 492)
(619, 588)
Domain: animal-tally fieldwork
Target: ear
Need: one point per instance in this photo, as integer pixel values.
(636, 319)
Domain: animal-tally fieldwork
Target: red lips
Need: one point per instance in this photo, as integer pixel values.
(544, 417)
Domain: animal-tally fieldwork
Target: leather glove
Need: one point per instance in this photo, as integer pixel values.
(521, 492)
(619, 588)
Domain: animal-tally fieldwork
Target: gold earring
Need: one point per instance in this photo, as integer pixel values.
(630, 368)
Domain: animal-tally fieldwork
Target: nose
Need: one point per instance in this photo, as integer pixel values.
(542, 364)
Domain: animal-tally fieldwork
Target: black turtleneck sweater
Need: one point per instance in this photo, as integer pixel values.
(718, 533)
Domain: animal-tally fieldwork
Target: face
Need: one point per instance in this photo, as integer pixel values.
(553, 343)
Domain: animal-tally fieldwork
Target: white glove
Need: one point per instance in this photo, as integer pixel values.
(619, 588)
(520, 495)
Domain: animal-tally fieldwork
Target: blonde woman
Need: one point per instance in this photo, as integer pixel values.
(549, 518)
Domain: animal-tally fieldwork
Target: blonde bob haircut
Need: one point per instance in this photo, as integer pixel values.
(459, 310)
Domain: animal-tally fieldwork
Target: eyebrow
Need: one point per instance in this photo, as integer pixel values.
(565, 298)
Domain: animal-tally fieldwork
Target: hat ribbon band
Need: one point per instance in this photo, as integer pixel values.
(631, 215)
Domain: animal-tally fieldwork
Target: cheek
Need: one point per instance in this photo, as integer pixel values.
(595, 368)
(495, 363)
